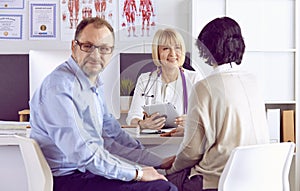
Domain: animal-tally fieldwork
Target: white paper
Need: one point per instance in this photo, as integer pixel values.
(273, 117)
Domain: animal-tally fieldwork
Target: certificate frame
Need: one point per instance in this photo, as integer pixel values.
(12, 4)
(42, 20)
(11, 27)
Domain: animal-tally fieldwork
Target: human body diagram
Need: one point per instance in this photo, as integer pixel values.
(75, 10)
(147, 11)
(137, 17)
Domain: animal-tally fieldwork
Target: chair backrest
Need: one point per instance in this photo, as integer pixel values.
(258, 167)
(23, 165)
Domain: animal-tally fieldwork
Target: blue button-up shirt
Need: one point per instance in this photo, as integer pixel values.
(71, 123)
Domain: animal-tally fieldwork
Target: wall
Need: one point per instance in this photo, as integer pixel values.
(171, 13)
(14, 65)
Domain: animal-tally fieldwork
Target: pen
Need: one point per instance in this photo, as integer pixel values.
(160, 131)
(146, 114)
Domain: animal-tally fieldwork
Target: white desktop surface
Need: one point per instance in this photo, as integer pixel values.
(163, 146)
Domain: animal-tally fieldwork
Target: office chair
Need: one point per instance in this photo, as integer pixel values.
(23, 166)
(258, 167)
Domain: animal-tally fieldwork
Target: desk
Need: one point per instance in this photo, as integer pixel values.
(163, 146)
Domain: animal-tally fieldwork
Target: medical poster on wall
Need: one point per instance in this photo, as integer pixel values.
(42, 21)
(12, 4)
(73, 11)
(137, 19)
(11, 27)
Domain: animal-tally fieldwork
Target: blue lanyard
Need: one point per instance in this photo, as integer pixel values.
(185, 96)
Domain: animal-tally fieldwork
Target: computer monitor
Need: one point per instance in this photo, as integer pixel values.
(43, 62)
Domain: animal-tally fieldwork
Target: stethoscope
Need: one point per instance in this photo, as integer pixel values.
(149, 87)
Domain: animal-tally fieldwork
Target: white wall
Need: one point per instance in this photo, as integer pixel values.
(171, 13)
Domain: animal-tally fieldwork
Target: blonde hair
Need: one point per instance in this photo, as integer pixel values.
(166, 37)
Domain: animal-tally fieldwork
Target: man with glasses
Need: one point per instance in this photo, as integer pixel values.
(79, 138)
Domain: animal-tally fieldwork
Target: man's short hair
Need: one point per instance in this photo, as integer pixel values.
(97, 22)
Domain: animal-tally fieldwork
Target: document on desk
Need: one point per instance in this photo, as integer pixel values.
(13, 128)
(155, 131)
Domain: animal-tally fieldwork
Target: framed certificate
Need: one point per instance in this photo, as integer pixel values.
(42, 20)
(11, 26)
(12, 4)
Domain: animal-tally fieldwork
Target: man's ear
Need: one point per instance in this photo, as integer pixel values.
(73, 44)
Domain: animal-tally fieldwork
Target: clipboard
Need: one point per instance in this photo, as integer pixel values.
(166, 110)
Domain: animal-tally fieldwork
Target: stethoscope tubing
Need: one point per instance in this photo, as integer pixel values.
(185, 96)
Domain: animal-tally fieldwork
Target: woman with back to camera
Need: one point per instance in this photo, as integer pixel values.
(168, 83)
(225, 110)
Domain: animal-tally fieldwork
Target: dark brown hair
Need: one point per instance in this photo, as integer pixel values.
(221, 42)
(97, 22)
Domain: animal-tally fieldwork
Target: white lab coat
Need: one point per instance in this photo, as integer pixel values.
(158, 92)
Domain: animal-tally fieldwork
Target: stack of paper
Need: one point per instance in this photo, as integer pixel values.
(13, 128)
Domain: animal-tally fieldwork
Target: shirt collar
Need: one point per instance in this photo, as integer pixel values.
(226, 68)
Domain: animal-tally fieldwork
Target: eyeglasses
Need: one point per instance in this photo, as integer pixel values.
(89, 47)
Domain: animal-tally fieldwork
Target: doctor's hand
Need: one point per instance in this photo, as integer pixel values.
(180, 120)
(178, 132)
(154, 121)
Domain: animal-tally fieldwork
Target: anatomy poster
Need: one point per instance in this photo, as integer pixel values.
(73, 11)
(137, 19)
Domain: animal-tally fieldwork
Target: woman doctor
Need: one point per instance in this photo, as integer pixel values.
(168, 83)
